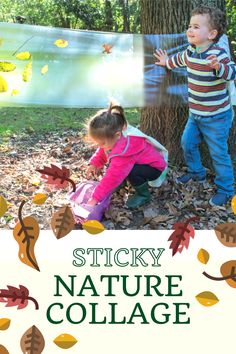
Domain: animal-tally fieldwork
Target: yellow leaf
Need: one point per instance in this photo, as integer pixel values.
(203, 256)
(44, 69)
(7, 66)
(15, 92)
(3, 206)
(65, 341)
(61, 43)
(3, 85)
(4, 323)
(27, 72)
(207, 298)
(23, 56)
(233, 204)
(40, 198)
(93, 227)
(36, 182)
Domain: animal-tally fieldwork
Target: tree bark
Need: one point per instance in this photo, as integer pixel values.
(166, 121)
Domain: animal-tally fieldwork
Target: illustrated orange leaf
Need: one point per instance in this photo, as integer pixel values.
(203, 256)
(23, 56)
(65, 341)
(228, 270)
(4, 324)
(61, 43)
(32, 341)
(62, 222)
(40, 198)
(26, 233)
(3, 350)
(207, 298)
(3, 206)
(93, 227)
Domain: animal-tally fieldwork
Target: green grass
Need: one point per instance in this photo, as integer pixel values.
(42, 120)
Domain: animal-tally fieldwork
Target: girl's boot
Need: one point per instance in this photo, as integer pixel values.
(141, 196)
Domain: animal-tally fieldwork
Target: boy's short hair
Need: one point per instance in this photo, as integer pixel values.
(217, 18)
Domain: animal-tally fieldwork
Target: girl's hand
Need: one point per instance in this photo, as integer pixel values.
(213, 62)
(91, 170)
(91, 202)
(161, 56)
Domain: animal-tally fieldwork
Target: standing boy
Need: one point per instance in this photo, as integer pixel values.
(209, 68)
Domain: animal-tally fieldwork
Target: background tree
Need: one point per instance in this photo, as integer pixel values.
(166, 121)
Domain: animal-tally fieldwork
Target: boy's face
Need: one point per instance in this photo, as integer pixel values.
(199, 32)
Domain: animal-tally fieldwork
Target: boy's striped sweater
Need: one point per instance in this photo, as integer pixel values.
(207, 88)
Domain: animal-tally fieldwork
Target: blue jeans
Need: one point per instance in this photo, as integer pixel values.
(214, 131)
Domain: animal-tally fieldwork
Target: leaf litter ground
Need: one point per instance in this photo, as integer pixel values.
(22, 154)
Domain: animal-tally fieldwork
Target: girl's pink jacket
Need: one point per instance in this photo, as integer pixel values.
(126, 152)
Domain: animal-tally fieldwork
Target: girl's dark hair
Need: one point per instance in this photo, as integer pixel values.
(107, 122)
(217, 18)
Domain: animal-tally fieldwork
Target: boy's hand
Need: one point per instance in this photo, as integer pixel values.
(213, 62)
(161, 56)
(91, 170)
(91, 202)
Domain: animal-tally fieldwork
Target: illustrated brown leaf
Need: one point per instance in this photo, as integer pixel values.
(203, 256)
(226, 234)
(62, 222)
(26, 233)
(17, 297)
(32, 341)
(228, 270)
(58, 177)
(3, 350)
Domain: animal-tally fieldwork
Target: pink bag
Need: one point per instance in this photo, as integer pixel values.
(80, 197)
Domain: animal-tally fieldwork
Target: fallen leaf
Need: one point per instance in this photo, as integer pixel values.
(233, 204)
(65, 341)
(3, 206)
(61, 43)
(4, 324)
(207, 298)
(23, 56)
(203, 256)
(93, 227)
(7, 66)
(15, 92)
(40, 198)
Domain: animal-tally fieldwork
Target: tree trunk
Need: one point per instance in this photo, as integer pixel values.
(166, 121)
(108, 26)
(124, 4)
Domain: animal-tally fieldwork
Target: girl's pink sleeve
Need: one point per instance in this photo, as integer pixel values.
(99, 158)
(114, 176)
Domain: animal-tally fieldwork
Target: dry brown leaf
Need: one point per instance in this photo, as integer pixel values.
(3, 350)
(227, 269)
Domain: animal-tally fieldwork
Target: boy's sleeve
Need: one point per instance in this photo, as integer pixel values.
(99, 158)
(177, 60)
(227, 67)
